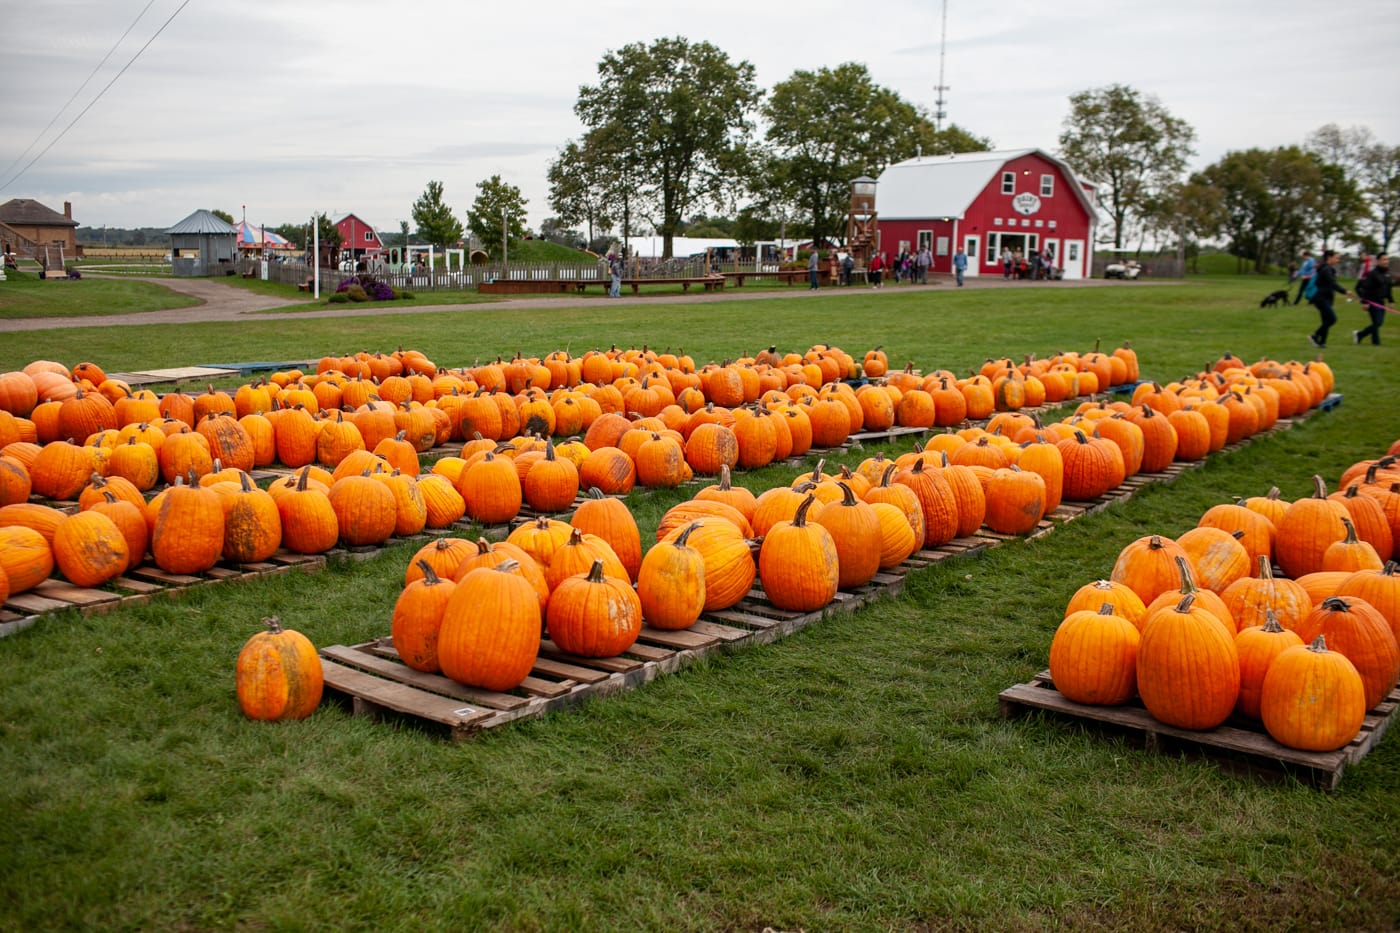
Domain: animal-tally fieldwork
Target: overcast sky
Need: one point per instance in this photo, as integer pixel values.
(291, 108)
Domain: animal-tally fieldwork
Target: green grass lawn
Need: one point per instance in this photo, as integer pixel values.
(24, 294)
(856, 776)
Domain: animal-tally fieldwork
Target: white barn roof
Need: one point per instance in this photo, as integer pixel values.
(202, 222)
(946, 185)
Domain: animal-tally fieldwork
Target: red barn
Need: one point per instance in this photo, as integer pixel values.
(358, 238)
(1022, 199)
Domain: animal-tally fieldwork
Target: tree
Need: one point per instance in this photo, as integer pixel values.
(579, 187)
(1379, 177)
(830, 126)
(1268, 201)
(403, 233)
(497, 202)
(225, 216)
(555, 230)
(681, 110)
(435, 220)
(1127, 144)
(296, 234)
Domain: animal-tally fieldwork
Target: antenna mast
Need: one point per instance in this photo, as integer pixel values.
(939, 113)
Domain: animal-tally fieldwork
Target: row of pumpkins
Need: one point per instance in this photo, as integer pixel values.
(798, 401)
(1007, 476)
(1199, 628)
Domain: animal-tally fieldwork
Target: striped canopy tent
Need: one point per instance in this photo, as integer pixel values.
(253, 238)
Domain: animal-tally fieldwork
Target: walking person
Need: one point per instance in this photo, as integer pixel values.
(813, 262)
(1305, 274)
(1006, 260)
(1376, 293)
(924, 260)
(877, 264)
(1326, 285)
(614, 276)
(960, 265)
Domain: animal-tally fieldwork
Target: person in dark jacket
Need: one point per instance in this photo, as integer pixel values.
(1327, 286)
(1375, 292)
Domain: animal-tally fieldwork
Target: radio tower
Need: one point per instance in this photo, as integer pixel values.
(939, 113)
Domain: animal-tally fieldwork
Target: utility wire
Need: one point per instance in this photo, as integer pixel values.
(100, 93)
(70, 100)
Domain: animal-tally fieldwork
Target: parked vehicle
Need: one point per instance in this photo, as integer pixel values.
(1122, 269)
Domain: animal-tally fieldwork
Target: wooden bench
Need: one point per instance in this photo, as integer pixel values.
(786, 276)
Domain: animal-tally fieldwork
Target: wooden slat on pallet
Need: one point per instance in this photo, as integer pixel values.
(1237, 737)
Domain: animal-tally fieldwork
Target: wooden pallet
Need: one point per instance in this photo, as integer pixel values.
(1237, 740)
(139, 585)
(375, 682)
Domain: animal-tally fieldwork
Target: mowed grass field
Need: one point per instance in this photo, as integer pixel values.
(856, 776)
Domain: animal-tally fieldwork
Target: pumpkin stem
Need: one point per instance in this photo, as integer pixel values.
(1185, 604)
(800, 519)
(430, 577)
(724, 477)
(273, 623)
(595, 573)
(1188, 583)
(848, 496)
(1319, 644)
(1335, 604)
(1351, 532)
(887, 474)
(1106, 609)
(1319, 487)
(509, 565)
(684, 536)
(1271, 624)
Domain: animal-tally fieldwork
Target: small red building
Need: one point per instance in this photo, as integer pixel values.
(1017, 199)
(358, 238)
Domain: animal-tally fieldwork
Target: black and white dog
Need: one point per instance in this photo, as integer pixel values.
(1274, 298)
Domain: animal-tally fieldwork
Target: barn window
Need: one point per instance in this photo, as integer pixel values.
(925, 239)
(369, 236)
(1047, 186)
(1008, 182)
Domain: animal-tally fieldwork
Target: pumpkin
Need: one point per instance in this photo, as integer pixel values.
(608, 469)
(541, 538)
(252, 524)
(90, 549)
(594, 615)
(445, 556)
(710, 446)
(898, 495)
(729, 564)
(184, 451)
(1217, 557)
(798, 563)
(1368, 515)
(1351, 553)
(309, 522)
(1257, 532)
(1356, 629)
(661, 463)
(278, 674)
(1093, 657)
(188, 536)
(1380, 588)
(1312, 698)
(1188, 670)
(936, 500)
(611, 520)
(15, 485)
(1091, 466)
(229, 441)
(26, 559)
(1206, 599)
(41, 518)
(1124, 602)
(576, 556)
(897, 539)
(736, 497)
(418, 616)
(551, 484)
(855, 531)
(131, 522)
(1308, 527)
(1015, 501)
(1148, 566)
(365, 511)
(1250, 599)
(671, 582)
(61, 470)
(1258, 646)
(491, 555)
(490, 633)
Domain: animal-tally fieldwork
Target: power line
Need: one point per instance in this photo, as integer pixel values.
(70, 100)
(100, 93)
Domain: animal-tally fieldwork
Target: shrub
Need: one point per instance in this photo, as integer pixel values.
(338, 298)
(356, 292)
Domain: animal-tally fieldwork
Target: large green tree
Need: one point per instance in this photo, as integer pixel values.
(1129, 145)
(436, 222)
(676, 118)
(580, 187)
(1268, 201)
(498, 211)
(832, 125)
(1372, 167)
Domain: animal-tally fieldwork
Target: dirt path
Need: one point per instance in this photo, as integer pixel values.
(222, 303)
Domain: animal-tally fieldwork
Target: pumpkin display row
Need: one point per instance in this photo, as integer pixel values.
(1196, 626)
(296, 419)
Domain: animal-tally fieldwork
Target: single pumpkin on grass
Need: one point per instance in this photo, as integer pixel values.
(594, 615)
(278, 674)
